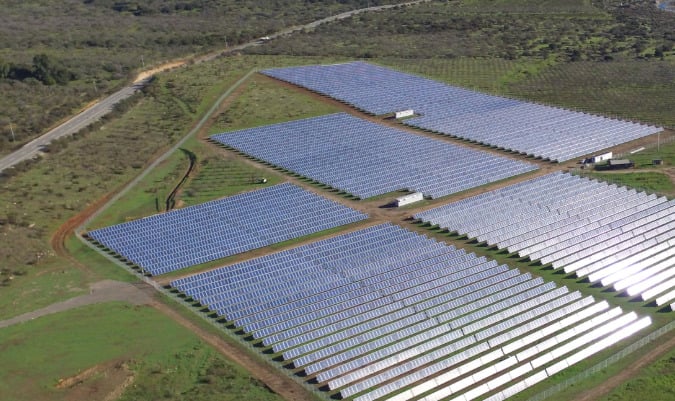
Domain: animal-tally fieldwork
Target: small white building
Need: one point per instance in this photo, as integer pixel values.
(597, 158)
(404, 113)
(408, 199)
(602, 157)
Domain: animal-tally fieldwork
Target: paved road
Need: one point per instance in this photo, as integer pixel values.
(98, 110)
(76, 123)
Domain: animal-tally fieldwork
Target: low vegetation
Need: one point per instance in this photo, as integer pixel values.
(51, 65)
(650, 181)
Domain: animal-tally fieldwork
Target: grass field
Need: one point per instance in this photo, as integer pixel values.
(266, 102)
(219, 176)
(607, 88)
(167, 360)
(656, 383)
(483, 74)
(651, 181)
(602, 88)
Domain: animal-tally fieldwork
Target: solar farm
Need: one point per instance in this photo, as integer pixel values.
(387, 308)
(395, 315)
(366, 159)
(532, 129)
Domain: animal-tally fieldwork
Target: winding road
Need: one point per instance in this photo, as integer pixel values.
(104, 106)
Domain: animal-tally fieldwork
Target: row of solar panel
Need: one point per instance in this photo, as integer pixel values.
(374, 311)
(368, 159)
(216, 229)
(609, 234)
(537, 130)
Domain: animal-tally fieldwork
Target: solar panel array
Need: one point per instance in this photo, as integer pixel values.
(385, 312)
(202, 233)
(533, 129)
(368, 159)
(612, 235)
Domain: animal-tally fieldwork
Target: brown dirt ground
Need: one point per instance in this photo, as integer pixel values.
(103, 382)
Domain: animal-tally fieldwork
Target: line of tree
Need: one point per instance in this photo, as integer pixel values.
(42, 69)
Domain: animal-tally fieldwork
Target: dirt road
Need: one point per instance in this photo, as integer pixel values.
(99, 292)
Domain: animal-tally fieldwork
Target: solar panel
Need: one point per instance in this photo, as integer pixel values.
(533, 129)
(385, 312)
(198, 234)
(367, 159)
(602, 232)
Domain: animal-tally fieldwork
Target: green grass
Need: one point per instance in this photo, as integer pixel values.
(266, 102)
(97, 265)
(484, 74)
(664, 152)
(168, 360)
(650, 181)
(607, 88)
(33, 291)
(220, 175)
(149, 198)
(655, 383)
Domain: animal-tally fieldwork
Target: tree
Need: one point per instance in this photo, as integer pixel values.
(42, 69)
(4, 69)
(49, 73)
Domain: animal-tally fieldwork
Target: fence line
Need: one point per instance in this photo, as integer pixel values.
(604, 364)
(664, 140)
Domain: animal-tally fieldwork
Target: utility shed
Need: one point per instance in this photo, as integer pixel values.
(408, 199)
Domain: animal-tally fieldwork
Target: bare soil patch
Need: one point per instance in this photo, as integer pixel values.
(103, 382)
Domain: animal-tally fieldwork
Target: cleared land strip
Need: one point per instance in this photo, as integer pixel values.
(102, 291)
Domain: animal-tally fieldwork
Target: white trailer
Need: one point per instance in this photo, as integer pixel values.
(408, 199)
